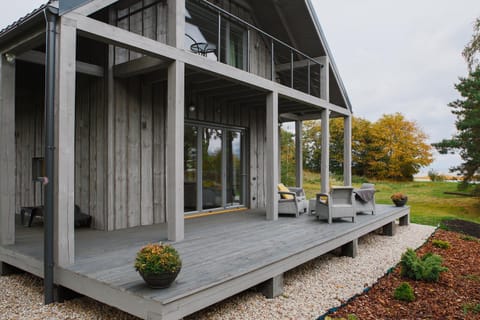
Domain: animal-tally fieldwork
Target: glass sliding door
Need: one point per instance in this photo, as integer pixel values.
(212, 151)
(190, 168)
(215, 176)
(234, 168)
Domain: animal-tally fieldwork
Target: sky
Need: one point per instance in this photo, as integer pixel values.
(393, 56)
(402, 56)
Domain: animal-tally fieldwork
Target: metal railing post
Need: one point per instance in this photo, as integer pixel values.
(248, 50)
(320, 81)
(219, 44)
(272, 63)
(291, 69)
(308, 76)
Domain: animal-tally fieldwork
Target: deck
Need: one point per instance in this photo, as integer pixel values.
(222, 255)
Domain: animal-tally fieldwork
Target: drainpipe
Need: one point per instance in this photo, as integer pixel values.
(51, 20)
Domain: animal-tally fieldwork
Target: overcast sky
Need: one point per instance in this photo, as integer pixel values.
(393, 56)
(401, 56)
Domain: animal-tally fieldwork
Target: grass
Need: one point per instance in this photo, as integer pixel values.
(428, 203)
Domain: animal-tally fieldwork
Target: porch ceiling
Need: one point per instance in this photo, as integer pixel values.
(230, 92)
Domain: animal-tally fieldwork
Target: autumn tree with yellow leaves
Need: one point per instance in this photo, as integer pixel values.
(390, 148)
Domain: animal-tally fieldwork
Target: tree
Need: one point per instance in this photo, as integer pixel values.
(391, 148)
(287, 154)
(398, 149)
(312, 145)
(467, 138)
(471, 53)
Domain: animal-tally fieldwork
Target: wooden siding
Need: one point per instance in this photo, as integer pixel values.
(150, 22)
(139, 153)
(89, 145)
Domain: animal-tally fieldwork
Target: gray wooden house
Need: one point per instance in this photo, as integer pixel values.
(159, 109)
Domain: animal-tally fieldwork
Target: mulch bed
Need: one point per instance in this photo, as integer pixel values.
(455, 296)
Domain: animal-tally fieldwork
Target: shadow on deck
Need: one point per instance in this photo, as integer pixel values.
(222, 255)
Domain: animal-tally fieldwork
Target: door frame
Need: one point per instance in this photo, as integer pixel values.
(200, 125)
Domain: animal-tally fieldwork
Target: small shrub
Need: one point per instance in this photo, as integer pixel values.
(404, 292)
(441, 244)
(427, 268)
(157, 258)
(471, 307)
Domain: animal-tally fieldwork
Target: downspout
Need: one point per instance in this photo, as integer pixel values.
(51, 21)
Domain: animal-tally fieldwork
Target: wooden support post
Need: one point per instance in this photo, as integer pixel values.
(64, 202)
(271, 186)
(176, 23)
(273, 287)
(350, 249)
(324, 78)
(390, 229)
(174, 151)
(298, 154)
(7, 151)
(347, 151)
(405, 220)
(325, 166)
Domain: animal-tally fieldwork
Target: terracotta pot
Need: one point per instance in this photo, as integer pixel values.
(401, 202)
(159, 280)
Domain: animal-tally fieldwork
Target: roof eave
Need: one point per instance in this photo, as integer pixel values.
(32, 21)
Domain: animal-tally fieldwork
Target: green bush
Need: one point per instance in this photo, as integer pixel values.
(441, 244)
(404, 292)
(427, 268)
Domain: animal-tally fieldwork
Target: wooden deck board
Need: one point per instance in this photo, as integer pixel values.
(222, 255)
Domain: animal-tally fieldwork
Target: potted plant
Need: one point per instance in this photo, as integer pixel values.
(158, 264)
(399, 199)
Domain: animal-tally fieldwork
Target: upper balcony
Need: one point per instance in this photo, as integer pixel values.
(233, 37)
(218, 34)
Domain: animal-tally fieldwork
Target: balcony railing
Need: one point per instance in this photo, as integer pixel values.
(218, 34)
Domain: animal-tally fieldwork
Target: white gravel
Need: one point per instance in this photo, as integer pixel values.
(310, 290)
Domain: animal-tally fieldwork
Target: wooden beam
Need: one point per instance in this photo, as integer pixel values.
(93, 6)
(174, 151)
(7, 151)
(298, 153)
(176, 23)
(139, 66)
(271, 189)
(110, 137)
(325, 158)
(347, 151)
(64, 202)
(325, 79)
(38, 57)
(26, 42)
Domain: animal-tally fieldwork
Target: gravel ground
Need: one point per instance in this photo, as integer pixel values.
(310, 290)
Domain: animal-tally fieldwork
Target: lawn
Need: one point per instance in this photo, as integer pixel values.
(429, 205)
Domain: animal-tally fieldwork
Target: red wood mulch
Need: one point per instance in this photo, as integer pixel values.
(457, 288)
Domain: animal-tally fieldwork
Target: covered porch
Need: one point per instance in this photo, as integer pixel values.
(222, 255)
